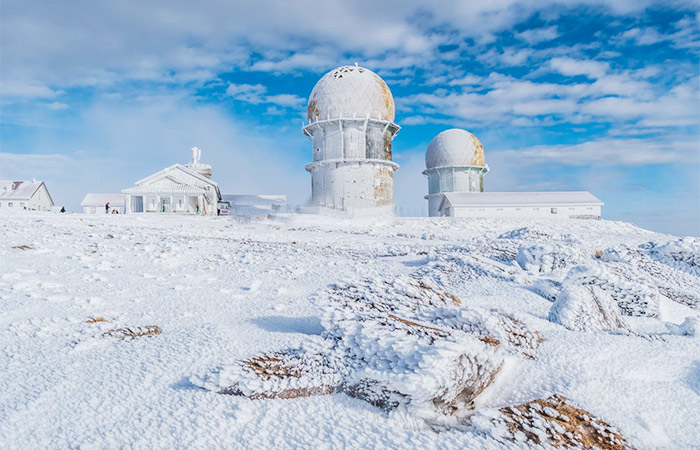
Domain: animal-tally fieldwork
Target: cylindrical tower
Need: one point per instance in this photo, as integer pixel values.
(351, 126)
(454, 162)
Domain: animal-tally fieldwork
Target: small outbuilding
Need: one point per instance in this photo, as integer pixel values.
(24, 195)
(567, 205)
(256, 205)
(95, 203)
(184, 189)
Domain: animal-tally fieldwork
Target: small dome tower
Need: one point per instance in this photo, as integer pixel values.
(455, 162)
(351, 126)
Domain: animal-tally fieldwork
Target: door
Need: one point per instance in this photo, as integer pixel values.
(137, 204)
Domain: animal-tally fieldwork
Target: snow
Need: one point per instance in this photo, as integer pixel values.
(221, 291)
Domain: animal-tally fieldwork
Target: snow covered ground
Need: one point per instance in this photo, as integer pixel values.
(221, 290)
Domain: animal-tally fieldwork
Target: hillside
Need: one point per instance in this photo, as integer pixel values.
(162, 332)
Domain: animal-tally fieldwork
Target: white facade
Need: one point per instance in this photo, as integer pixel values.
(24, 195)
(95, 203)
(351, 113)
(256, 205)
(455, 162)
(176, 189)
(554, 205)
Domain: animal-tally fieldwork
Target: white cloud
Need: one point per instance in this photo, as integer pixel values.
(537, 35)
(249, 93)
(608, 152)
(257, 93)
(27, 90)
(56, 106)
(569, 66)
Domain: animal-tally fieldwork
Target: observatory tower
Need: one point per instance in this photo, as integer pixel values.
(351, 126)
(454, 162)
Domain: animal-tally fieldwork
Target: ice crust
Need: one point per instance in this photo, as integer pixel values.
(292, 297)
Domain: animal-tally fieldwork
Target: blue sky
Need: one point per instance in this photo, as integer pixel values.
(596, 95)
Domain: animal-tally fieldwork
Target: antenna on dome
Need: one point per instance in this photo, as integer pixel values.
(356, 65)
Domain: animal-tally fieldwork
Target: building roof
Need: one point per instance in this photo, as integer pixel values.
(475, 199)
(20, 190)
(454, 147)
(254, 200)
(101, 199)
(351, 92)
(176, 179)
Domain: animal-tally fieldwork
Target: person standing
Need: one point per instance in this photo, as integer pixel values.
(107, 208)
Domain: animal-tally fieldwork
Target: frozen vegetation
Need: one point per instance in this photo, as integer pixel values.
(171, 332)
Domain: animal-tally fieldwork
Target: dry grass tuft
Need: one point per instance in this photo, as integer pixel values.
(553, 421)
(22, 247)
(442, 293)
(133, 333)
(424, 328)
(274, 365)
(490, 340)
(96, 319)
(599, 254)
(110, 236)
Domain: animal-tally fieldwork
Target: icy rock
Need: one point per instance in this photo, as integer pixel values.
(689, 327)
(547, 258)
(633, 298)
(683, 253)
(400, 343)
(586, 308)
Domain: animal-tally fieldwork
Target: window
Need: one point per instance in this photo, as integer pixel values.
(21, 204)
(0, 204)
(554, 210)
(9, 204)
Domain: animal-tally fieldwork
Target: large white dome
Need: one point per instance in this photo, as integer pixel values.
(455, 147)
(351, 92)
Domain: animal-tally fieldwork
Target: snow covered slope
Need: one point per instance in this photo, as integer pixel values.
(112, 328)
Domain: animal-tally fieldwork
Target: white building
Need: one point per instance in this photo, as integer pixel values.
(95, 203)
(256, 205)
(351, 126)
(455, 162)
(185, 189)
(24, 195)
(455, 167)
(565, 205)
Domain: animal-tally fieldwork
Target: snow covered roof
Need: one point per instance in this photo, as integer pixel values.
(176, 179)
(254, 200)
(19, 190)
(351, 92)
(101, 199)
(454, 147)
(519, 198)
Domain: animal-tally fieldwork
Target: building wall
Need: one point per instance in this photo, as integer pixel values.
(352, 168)
(100, 209)
(455, 179)
(351, 186)
(562, 211)
(40, 201)
(174, 203)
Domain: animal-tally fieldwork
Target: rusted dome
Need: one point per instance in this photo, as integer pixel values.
(351, 92)
(454, 147)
